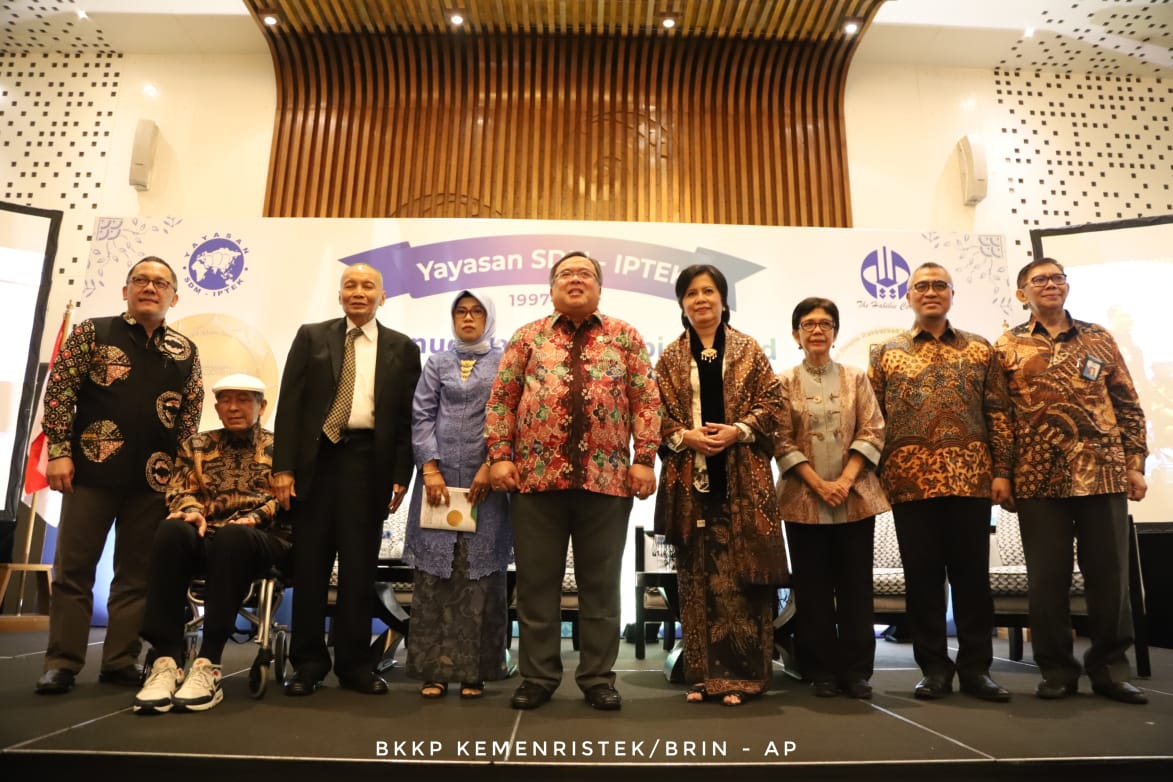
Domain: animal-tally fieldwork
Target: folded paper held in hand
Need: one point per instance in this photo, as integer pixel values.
(458, 515)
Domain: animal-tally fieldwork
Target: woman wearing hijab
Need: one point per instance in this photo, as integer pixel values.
(716, 502)
(459, 618)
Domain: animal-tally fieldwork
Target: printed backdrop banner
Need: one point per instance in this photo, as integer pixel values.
(246, 284)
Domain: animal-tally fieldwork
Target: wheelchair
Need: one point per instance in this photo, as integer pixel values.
(259, 609)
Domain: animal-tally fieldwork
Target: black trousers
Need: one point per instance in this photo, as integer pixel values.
(1099, 524)
(948, 538)
(339, 517)
(230, 560)
(832, 581)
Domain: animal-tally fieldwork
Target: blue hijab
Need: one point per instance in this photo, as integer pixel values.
(481, 346)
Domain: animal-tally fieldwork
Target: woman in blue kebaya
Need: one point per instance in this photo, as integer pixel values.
(459, 614)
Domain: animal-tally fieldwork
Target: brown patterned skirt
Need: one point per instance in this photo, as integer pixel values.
(728, 627)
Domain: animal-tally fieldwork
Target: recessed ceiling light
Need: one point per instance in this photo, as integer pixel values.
(456, 17)
(1028, 32)
(270, 17)
(668, 22)
(851, 26)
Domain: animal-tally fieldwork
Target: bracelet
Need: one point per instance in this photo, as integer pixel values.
(430, 472)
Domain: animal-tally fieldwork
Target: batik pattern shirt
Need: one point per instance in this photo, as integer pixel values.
(225, 476)
(1078, 423)
(568, 402)
(119, 402)
(946, 410)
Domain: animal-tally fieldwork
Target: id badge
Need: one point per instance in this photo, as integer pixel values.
(1091, 369)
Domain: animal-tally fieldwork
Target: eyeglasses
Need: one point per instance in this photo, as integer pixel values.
(575, 274)
(464, 312)
(160, 285)
(1041, 280)
(822, 325)
(940, 286)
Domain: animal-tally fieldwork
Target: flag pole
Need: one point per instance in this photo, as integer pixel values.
(28, 545)
(28, 532)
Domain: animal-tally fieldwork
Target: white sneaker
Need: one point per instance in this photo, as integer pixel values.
(201, 689)
(162, 682)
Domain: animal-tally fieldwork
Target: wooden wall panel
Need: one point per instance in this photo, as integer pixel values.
(563, 126)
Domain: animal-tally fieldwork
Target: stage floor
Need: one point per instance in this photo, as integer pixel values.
(656, 735)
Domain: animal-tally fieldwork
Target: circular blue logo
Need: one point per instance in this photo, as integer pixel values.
(885, 274)
(215, 265)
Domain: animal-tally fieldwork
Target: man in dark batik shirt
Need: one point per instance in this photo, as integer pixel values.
(223, 524)
(123, 393)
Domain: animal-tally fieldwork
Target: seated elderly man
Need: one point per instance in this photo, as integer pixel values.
(223, 524)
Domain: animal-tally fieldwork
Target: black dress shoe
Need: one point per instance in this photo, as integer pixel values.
(56, 681)
(1050, 690)
(604, 697)
(985, 688)
(130, 676)
(300, 683)
(367, 682)
(824, 688)
(933, 686)
(529, 696)
(858, 688)
(1120, 691)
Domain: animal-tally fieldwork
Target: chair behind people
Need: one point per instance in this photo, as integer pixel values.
(259, 609)
(888, 586)
(394, 587)
(655, 590)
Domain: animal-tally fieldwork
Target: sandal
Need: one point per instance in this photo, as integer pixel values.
(434, 689)
(470, 690)
(734, 698)
(695, 694)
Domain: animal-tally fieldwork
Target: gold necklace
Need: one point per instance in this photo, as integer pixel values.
(813, 370)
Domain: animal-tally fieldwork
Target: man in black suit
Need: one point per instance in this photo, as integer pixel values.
(342, 458)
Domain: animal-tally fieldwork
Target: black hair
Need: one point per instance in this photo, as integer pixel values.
(809, 305)
(689, 274)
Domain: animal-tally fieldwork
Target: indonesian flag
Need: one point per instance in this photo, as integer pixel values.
(36, 472)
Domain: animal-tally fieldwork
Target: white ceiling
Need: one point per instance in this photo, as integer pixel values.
(1117, 37)
(1111, 37)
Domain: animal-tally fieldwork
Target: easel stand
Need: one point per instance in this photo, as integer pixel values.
(20, 621)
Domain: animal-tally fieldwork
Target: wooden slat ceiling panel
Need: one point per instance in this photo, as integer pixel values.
(807, 20)
(716, 129)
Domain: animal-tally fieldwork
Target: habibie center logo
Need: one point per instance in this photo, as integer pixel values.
(215, 265)
(885, 275)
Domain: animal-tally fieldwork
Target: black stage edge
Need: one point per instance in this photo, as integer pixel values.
(337, 734)
(77, 765)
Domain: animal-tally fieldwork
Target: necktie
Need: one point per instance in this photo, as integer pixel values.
(340, 410)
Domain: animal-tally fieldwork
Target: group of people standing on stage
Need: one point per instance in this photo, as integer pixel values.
(552, 438)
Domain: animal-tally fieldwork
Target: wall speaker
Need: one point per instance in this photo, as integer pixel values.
(974, 178)
(142, 155)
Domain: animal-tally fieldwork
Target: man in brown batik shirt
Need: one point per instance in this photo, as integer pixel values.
(946, 458)
(1079, 457)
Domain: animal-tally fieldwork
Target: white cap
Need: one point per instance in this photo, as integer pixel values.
(239, 382)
